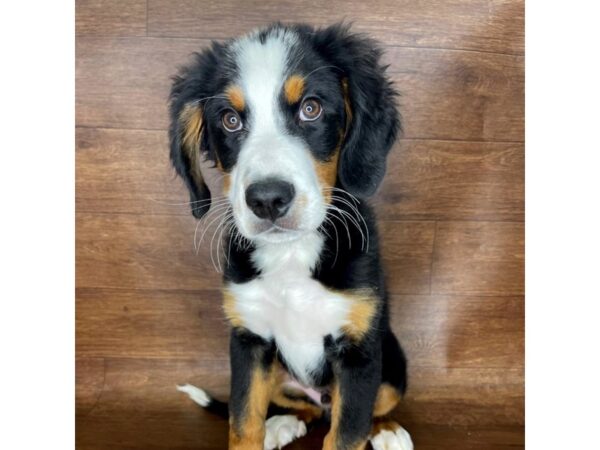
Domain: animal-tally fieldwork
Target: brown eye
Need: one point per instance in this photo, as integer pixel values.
(310, 110)
(232, 121)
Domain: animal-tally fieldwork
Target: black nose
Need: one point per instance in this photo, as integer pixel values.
(270, 199)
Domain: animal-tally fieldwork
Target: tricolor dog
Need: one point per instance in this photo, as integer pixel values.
(299, 121)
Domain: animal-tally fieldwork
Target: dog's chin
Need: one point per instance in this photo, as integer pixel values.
(266, 232)
(278, 235)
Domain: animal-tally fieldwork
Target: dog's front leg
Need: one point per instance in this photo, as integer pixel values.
(252, 381)
(357, 371)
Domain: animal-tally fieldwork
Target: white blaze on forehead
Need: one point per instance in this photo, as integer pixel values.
(262, 71)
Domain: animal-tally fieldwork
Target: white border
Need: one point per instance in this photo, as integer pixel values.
(37, 225)
(563, 226)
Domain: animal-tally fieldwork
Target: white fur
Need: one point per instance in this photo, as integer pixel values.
(282, 430)
(287, 305)
(269, 151)
(196, 394)
(392, 440)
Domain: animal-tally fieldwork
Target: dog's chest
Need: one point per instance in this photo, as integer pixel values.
(287, 305)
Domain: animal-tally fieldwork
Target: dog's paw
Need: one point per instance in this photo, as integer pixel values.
(281, 430)
(398, 439)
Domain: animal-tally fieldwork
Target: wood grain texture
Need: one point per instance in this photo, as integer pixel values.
(126, 171)
(486, 25)
(135, 251)
(124, 323)
(446, 180)
(460, 331)
(408, 248)
(459, 95)
(125, 82)
(89, 383)
(479, 258)
(110, 17)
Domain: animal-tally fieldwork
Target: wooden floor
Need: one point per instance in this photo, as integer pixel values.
(451, 211)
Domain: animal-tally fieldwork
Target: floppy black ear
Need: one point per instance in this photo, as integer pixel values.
(186, 133)
(373, 119)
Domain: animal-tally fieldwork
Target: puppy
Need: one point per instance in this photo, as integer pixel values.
(299, 121)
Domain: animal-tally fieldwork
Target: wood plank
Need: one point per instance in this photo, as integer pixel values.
(492, 26)
(464, 397)
(444, 180)
(460, 331)
(124, 83)
(110, 17)
(459, 95)
(140, 408)
(126, 171)
(145, 252)
(89, 383)
(406, 251)
(151, 324)
(479, 258)
(427, 437)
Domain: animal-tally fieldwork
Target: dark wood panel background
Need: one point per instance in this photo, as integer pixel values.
(451, 213)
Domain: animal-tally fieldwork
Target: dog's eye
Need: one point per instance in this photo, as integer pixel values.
(232, 121)
(310, 110)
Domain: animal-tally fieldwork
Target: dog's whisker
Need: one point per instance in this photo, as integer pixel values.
(211, 207)
(218, 217)
(204, 221)
(337, 240)
(354, 222)
(220, 226)
(230, 232)
(358, 215)
(343, 221)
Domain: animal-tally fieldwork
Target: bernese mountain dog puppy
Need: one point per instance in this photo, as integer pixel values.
(299, 121)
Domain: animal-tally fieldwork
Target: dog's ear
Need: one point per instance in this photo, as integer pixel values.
(373, 121)
(187, 136)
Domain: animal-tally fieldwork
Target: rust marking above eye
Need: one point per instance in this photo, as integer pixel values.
(235, 95)
(293, 89)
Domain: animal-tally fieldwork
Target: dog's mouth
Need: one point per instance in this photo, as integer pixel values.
(278, 233)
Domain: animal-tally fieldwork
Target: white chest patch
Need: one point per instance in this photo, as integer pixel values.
(287, 305)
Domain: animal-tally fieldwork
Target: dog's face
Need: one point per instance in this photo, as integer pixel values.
(288, 114)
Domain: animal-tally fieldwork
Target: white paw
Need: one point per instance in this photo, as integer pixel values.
(281, 430)
(392, 440)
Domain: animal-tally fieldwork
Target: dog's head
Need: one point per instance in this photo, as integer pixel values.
(288, 114)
